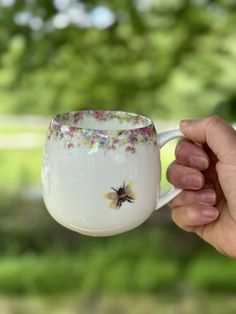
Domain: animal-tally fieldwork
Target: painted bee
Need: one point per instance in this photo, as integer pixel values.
(121, 195)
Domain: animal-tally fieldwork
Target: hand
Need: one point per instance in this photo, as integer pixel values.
(207, 174)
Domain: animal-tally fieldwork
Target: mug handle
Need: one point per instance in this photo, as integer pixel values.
(164, 138)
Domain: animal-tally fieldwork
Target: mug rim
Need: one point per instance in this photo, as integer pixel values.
(107, 139)
(116, 114)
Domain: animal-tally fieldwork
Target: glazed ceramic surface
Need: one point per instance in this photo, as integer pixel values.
(101, 171)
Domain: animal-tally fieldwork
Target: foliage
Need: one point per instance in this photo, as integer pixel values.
(167, 59)
(106, 268)
(40, 256)
(227, 109)
(20, 168)
(170, 59)
(20, 165)
(213, 273)
(57, 274)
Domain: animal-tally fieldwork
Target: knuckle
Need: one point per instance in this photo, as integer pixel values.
(190, 216)
(214, 120)
(170, 171)
(178, 200)
(178, 149)
(172, 204)
(174, 216)
(184, 151)
(184, 217)
(189, 228)
(181, 145)
(180, 222)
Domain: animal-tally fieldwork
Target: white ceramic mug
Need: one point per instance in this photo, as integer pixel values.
(101, 171)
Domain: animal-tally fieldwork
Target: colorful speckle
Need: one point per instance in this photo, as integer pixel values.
(108, 140)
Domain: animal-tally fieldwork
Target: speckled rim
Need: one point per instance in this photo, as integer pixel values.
(105, 139)
(102, 116)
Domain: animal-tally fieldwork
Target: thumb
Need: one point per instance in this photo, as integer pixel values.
(216, 133)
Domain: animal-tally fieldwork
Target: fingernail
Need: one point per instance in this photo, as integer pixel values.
(178, 146)
(186, 123)
(193, 180)
(210, 213)
(198, 161)
(207, 197)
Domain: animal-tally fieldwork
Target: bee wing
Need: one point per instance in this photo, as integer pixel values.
(111, 196)
(113, 204)
(129, 190)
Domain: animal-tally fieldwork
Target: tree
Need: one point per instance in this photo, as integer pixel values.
(167, 59)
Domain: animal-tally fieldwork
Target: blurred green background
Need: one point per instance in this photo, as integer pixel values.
(169, 60)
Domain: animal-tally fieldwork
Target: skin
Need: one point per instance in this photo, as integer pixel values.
(207, 175)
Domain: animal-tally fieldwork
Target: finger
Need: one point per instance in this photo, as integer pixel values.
(184, 177)
(191, 217)
(203, 197)
(214, 131)
(191, 155)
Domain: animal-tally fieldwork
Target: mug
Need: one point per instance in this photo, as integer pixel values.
(101, 170)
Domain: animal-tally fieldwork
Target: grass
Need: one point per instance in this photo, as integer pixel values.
(169, 303)
(213, 274)
(167, 157)
(117, 264)
(38, 256)
(137, 262)
(16, 129)
(56, 274)
(20, 168)
(102, 272)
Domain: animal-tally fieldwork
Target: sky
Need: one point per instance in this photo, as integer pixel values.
(70, 12)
